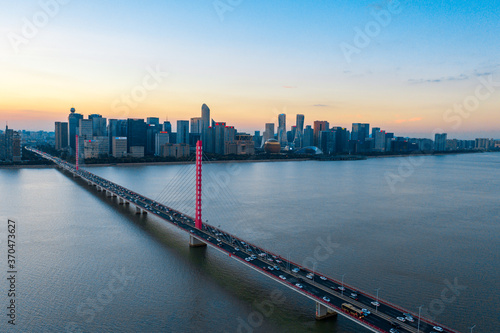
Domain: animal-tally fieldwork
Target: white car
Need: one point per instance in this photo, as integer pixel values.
(299, 285)
(296, 270)
(402, 319)
(437, 328)
(322, 278)
(341, 288)
(375, 303)
(282, 277)
(326, 299)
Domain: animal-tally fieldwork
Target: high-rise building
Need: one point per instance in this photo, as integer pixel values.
(229, 138)
(119, 146)
(220, 135)
(116, 128)
(205, 124)
(257, 139)
(319, 126)
(61, 133)
(73, 122)
(282, 137)
(308, 139)
(151, 130)
(136, 136)
(153, 121)
(327, 142)
(161, 139)
(16, 146)
(183, 131)
(299, 131)
(268, 133)
(167, 126)
(380, 141)
(360, 132)
(98, 125)
(341, 139)
(96, 147)
(85, 129)
(440, 142)
(196, 125)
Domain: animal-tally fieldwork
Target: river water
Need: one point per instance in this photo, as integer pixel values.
(424, 230)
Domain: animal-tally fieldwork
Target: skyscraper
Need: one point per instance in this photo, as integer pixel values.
(268, 133)
(61, 132)
(196, 125)
(360, 132)
(205, 124)
(282, 138)
(299, 131)
(151, 130)
(73, 121)
(98, 125)
(183, 131)
(136, 134)
(153, 121)
(167, 126)
(308, 137)
(220, 129)
(319, 126)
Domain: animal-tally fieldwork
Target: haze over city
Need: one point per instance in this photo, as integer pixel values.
(398, 65)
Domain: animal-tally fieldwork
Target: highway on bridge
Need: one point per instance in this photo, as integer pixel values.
(329, 294)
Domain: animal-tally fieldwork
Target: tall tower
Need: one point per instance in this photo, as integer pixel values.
(282, 130)
(299, 131)
(205, 124)
(73, 121)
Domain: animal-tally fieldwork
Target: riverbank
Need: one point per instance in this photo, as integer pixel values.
(333, 158)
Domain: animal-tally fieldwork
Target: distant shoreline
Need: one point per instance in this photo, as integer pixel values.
(135, 164)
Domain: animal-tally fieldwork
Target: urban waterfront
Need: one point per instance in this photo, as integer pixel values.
(436, 226)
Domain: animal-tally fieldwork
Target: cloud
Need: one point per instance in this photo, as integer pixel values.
(320, 105)
(460, 77)
(400, 121)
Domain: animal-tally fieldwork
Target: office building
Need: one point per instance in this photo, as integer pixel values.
(119, 146)
(98, 125)
(183, 131)
(196, 125)
(205, 124)
(360, 132)
(160, 140)
(319, 126)
(153, 121)
(176, 150)
(308, 139)
(440, 142)
(136, 135)
(220, 132)
(167, 126)
(299, 131)
(282, 137)
(61, 135)
(268, 133)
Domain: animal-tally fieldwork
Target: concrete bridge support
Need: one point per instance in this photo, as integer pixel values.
(322, 312)
(139, 210)
(195, 242)
(99, 189)
(109, 194)
(120, 201)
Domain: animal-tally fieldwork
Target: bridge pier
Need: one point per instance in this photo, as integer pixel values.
(195, 242)
(322, 312)
(98, 189)
(109, 194)
(138, 210)
(120, 201)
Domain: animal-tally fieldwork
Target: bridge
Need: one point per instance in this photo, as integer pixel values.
(332, 297)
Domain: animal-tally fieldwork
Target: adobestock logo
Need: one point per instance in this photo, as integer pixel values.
(138, 94)
(363, 37)
(31, 27)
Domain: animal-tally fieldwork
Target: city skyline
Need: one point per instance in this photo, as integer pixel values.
(369, 62)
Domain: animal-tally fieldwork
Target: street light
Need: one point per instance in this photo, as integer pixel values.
(418, 326)
(376, 308)
(471, 328)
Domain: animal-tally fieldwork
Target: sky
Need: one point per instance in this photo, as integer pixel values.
(410, 67)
